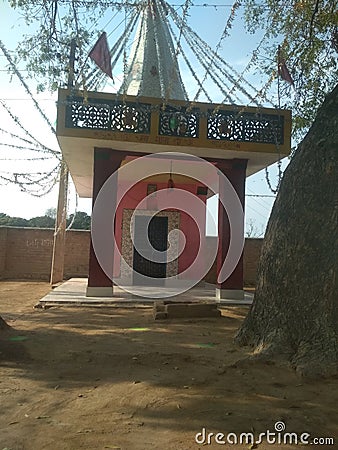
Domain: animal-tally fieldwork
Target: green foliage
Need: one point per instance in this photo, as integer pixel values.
(81, 222)
(35, 222)
(51, 212)
(54, 24)
(8, 221)
(41, 222)
(307, 31)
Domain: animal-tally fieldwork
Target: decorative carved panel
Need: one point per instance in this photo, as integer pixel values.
(88, 115)
(179, 123)
(249, 127)
(133, 118)
(108, 115)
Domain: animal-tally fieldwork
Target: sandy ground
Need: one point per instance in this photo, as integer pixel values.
(90, 378)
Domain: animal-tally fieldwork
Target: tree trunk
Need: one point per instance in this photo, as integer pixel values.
(3, 324)
(294, 315)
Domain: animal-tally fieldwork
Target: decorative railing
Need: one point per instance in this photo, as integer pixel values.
(104, 115)
(179, 122)
(207, 122)
(246, 127)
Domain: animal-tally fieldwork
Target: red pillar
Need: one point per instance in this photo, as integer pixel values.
(232, 287)
(106, 162)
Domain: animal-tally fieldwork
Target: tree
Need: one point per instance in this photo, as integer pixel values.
(307, 33)
(294, 316)
(55, 24)
(8, 221)
(3, 325)
(34, 222)
(252, 230)
(81, 221)
(41, 222)
(51, 212)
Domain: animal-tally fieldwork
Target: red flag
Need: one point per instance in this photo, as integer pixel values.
(101, 56)
(283, 71)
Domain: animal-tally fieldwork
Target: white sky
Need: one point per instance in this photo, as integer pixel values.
(236, 50)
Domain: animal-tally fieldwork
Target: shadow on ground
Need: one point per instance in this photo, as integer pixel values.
(93, 376)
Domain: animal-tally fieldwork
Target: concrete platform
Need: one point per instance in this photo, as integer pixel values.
(172, 310)
(73, 293)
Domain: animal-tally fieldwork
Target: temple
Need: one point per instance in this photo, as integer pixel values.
(100, 134)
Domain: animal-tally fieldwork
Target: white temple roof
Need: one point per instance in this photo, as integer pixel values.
(152, 66)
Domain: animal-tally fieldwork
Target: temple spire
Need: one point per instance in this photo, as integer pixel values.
(152, 68)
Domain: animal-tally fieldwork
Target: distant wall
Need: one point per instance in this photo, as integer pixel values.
(251, 254)
(26, 253)
(3, 245)
(77, 253)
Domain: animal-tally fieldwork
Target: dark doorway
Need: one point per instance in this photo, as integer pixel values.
(158, 237)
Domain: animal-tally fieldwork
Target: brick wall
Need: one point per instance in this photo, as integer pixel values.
(251, 254)
(29, 253)
(26, 253)
(3, 247)
(77, 253)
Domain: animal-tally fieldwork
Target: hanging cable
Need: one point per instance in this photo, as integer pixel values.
(41, 146)
(176, 51)
(95, 77)
(225, 33)
(181, 51)
(16, 136)
(203, 51)
(134, 51)
(17, 73)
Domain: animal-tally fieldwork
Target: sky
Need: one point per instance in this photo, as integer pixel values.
(236, 49)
